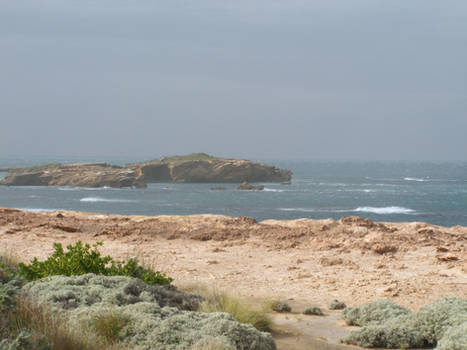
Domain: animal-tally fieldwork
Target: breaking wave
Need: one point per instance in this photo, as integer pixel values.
(108, 200)
(385, 210)
(373, 210)
(272, 190)
(84, 188)
(38, 210)
(306, 210)
(414, 179)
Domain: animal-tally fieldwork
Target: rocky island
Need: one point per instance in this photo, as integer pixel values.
(197, 167)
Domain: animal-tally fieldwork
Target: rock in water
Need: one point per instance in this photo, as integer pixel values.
(249, 187)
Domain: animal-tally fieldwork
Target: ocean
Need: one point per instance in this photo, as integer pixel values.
(435, 192)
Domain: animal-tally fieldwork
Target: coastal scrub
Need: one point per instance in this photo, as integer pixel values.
(151, 314)
(387, 325)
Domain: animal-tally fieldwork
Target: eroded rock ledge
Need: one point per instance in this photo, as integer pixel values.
(191, 168)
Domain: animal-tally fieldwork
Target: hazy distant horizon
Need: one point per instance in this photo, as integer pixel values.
(321, 80)
(123, 159)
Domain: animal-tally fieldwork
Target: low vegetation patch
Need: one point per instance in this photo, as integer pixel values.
(243, 311)
(47, 166)
(314, 310)
(144, 315)
(375, 312)
(337, 305)
(442, 324)
(80, 259)
(109, 325)
(118, 306)
(282, 306)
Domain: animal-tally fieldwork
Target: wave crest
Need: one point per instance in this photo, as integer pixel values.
(414, 179)
(109, 200)
(385, 210)
(272, 190)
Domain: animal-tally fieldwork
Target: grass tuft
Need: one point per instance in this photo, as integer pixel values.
(109, 325)
(52, 326)
(242, 310)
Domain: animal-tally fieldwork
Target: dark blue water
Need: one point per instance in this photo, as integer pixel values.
(435, 192)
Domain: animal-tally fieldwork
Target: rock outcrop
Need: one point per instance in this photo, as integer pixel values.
(75, 175)
(204, 168)
(191, 168)
(249, 187)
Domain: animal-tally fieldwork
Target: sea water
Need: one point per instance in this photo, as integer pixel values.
(435, 192)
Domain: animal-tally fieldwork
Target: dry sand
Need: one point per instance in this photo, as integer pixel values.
(305, 262)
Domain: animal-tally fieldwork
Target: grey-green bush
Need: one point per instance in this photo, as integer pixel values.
(377, 311)
(337, 305)
(314, 310)
(156, 316)
(455, 338)
(442, 324)
(282, 306)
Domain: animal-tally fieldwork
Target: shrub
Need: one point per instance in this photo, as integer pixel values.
(81, 259)
(149, 323)
(8, 268)
(337, 305)
(314, 310)
(24, 340)
(455, 338)
(282, 306)
(42, 328)
(443, 322)
(376, 311)
(213, 344)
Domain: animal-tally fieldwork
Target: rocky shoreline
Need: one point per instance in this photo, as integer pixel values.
(192, 168)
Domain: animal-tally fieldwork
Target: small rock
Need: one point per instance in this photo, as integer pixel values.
(246, 186)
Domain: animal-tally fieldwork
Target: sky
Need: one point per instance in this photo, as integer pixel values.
(289, 79)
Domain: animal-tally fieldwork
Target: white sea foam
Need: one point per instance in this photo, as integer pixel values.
(306, 210)
(272, 190)
(109, 200)
(373, 210)
(414, 179)
(385, 210)
(84, 188)
(38, 210)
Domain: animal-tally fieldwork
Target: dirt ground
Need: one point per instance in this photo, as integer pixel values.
(304, 262)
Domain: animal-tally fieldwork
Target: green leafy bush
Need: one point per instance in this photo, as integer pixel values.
(80, 259)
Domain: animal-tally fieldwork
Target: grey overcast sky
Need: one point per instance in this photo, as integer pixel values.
(350, 79)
